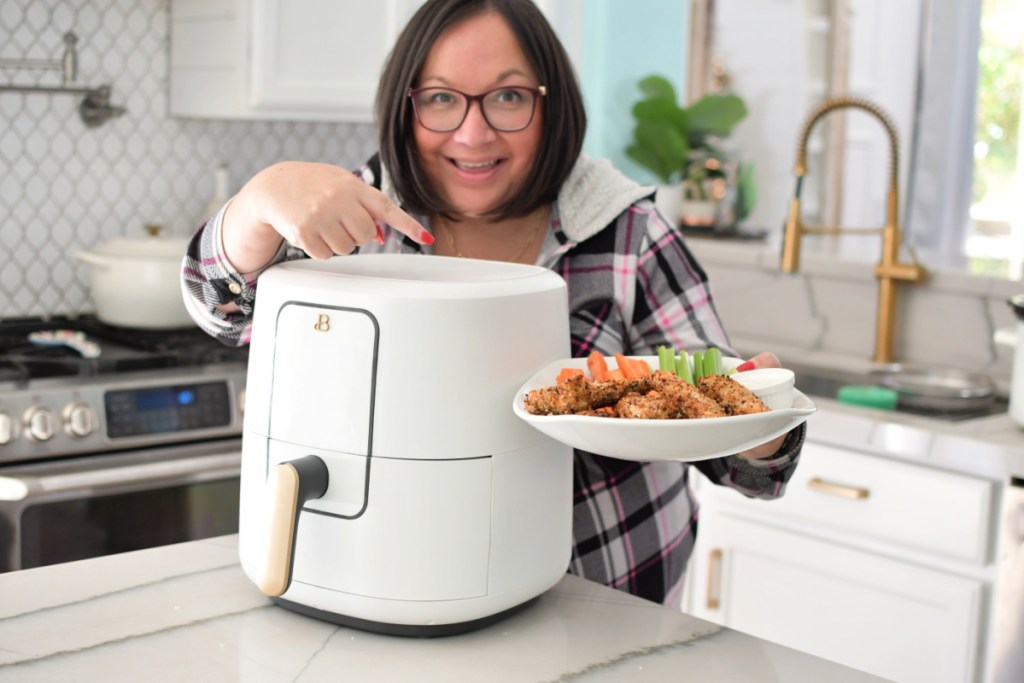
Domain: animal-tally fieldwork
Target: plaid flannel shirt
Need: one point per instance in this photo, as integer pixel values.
(632, 286)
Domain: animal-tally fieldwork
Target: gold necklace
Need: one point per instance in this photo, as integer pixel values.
(450, 238)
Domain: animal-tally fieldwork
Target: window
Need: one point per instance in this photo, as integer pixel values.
(994, 242)
(950, 73)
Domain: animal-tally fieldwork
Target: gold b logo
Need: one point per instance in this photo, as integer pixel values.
(323, 323)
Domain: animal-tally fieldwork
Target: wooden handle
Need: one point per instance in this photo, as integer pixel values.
(289, 486)
(841, 490)
(714, 578)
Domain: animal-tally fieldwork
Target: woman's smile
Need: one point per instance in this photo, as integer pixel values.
(476, 169)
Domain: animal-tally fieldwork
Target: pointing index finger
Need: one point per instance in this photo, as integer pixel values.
(386, 211)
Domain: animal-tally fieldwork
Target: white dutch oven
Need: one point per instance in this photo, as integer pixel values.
(1015, 338)
(135, 281)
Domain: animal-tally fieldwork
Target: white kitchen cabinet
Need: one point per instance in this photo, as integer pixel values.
(270, 59)
(880, 565)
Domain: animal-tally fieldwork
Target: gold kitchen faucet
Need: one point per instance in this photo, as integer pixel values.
(890, 270)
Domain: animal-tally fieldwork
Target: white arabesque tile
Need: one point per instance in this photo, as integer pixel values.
(65, 187)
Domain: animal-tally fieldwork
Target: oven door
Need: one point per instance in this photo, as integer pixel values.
(84, 507)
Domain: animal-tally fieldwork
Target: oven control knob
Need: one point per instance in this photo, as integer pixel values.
(79, 419)
(38, 423)
(7, 429)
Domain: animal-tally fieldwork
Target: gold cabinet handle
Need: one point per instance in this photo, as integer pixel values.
(714, 578)
(841, 490)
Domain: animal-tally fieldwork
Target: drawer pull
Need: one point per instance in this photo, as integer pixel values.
(841, 490)
(714, 577)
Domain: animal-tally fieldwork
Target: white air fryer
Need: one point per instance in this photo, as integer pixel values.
(386, 483)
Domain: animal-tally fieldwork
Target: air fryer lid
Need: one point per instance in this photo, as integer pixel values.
(409, 271)
(369, 351)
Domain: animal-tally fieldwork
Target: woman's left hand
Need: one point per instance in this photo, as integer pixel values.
(768, 449)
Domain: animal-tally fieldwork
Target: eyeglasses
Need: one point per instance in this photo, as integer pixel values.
(508, 109)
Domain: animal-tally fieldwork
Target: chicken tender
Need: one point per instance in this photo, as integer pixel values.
(649, 406)
(606, 411)
(689, 401)
(610, 392)
(735, 398)
(569, 397)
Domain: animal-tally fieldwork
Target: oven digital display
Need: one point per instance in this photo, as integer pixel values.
(136, 412)
(162, 399)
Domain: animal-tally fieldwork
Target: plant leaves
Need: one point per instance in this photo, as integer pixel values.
(661, 111)
(649, 160)
(715, 114)
(660, 148)
(665, 132)
(656, 87)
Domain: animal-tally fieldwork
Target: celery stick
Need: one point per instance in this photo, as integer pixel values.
(713, 361)
(698, 365)
(666, 359)
(683, 367)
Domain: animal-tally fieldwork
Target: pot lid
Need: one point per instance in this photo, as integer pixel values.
(938, 383)
(1017, 304)
(154, 246)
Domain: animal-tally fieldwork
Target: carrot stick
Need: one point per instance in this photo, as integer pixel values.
(566, 374)
(616, 374)
(624, 365)
(632, 367)
(598, 366)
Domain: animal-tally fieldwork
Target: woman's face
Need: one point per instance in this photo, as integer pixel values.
(475, 167)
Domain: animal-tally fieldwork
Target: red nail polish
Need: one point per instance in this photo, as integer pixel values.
(744, 366)
(380, 235)
(426, 237)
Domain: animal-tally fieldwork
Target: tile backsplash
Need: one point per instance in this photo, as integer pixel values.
(65, 187)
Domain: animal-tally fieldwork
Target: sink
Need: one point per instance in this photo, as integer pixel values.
(941, 394)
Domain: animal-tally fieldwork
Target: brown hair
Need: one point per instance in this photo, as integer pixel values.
(562, 108)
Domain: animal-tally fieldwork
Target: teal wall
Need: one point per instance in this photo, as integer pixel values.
(622, 43)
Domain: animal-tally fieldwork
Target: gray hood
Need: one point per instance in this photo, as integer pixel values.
(594, 195)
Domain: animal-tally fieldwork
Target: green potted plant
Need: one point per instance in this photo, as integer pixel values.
(681, 146)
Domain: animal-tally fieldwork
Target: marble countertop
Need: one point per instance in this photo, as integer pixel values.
(990, 447)
(187, 613)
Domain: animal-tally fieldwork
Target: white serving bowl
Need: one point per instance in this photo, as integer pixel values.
(671, 440)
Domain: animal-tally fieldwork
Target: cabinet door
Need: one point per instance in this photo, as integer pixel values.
(889, 618)
(321, 55)
(869, 499)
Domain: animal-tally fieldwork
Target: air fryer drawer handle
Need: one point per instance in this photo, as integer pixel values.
(289, 486)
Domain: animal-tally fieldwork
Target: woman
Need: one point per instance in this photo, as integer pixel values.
(481, 126)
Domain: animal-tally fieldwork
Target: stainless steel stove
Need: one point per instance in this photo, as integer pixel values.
(114, 439)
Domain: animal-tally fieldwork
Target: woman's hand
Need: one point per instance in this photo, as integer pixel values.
(322, 209)
(770, 448)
